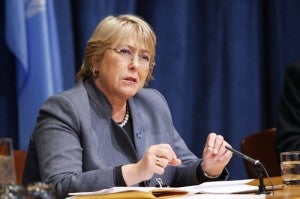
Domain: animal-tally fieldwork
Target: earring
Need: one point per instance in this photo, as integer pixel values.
(95, 73)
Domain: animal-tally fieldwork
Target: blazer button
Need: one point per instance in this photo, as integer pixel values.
(139, 135)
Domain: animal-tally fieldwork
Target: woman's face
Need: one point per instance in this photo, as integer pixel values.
(123, 69)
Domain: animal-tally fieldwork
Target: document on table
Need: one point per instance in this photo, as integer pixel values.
(223, 196)
(130, 192)
(234, 186)
(217, 187)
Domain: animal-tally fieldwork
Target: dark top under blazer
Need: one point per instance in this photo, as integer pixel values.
(76, 144)
(288, 124)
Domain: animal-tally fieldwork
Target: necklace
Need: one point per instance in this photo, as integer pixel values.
(125, 120)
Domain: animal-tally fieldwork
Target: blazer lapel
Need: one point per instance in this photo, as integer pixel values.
(124, 142)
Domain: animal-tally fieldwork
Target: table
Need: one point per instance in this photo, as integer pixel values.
(286, 193)
(280, 192)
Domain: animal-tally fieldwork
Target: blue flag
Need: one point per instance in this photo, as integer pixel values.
(31, 35)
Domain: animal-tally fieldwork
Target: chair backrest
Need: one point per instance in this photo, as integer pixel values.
(260, 145)
(19, 158)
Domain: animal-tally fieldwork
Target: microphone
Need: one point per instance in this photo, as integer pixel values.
(259, 168)
(255, 162)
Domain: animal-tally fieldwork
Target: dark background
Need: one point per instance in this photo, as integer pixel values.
(220, 63)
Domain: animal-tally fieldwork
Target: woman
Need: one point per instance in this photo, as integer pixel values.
(110, 131)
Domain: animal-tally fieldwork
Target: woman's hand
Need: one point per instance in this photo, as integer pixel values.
(215, 155)
(155, 160)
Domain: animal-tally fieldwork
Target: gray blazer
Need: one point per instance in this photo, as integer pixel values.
(76, 145)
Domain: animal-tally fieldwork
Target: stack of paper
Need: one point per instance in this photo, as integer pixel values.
(215, 188)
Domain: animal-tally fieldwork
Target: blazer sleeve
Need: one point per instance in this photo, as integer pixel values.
(288, 123)
(58, 143)
(189, 172)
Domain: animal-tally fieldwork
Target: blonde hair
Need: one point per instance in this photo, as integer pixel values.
(116, 29)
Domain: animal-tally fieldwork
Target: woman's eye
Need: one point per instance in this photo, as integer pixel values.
(125, 51)
(145, 58)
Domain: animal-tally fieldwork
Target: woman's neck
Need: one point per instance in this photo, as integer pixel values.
(119, 112)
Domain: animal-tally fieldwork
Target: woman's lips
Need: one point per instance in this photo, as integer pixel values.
(131, 79)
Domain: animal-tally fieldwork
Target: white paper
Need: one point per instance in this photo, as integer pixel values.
(217, 187)
(120, 189)
(226, 187)
(222, 196)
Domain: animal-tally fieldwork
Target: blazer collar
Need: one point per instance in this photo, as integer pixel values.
(98, 97)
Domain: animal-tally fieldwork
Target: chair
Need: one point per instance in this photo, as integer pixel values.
(19, 158)
(260, 145)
